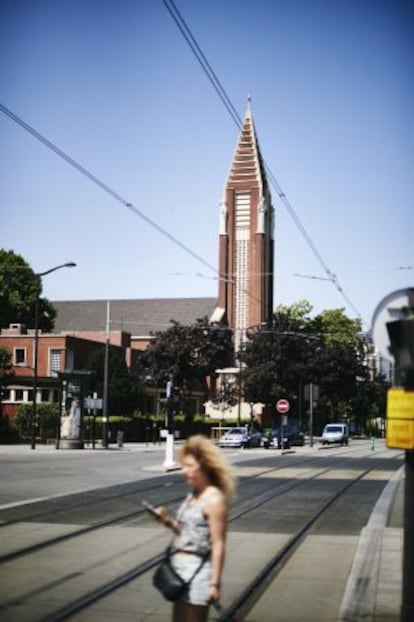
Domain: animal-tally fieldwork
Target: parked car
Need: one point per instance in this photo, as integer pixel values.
(335, 433)
(240, 437)
(292, 435)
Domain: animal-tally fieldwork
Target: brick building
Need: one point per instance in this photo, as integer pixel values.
(57, 352)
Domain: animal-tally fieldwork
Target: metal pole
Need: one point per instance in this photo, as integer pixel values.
(311, 414)
(407, 610)
(95, 396)
(68, 264)
(401, 334)
(105, 387)
(239, 396)
(36, 347)
(59, 419)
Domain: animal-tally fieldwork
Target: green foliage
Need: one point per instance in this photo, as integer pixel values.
(276, 356)
(47, 418)
(125, 391)
(6, 371)
(328, 350)
(19, 289)
(8, 431)
(188, 355)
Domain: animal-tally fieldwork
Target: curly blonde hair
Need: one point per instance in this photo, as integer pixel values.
(212, 462)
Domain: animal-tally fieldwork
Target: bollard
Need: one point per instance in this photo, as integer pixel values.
(120, 438)
(372, 443)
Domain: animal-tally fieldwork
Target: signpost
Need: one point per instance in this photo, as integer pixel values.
(282, 407)
(400, 420)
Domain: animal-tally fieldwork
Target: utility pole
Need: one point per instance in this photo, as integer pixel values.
(105, 422)
(68, 264)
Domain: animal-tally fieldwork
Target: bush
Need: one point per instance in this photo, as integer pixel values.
(47, 417)
(8, 431)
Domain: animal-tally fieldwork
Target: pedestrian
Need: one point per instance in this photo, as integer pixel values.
(200, 527)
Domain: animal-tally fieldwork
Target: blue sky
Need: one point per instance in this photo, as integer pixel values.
(115, 86)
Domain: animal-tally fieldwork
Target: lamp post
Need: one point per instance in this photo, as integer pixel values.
(68, 264)
(105, 423)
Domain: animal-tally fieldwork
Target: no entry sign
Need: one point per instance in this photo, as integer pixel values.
(282, 406)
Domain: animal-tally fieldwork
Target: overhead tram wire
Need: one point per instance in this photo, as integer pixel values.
(104, 187)
(212, 76)
(205, 65)
(291, 211)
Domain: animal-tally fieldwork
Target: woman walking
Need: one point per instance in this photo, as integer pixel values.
(200, 527)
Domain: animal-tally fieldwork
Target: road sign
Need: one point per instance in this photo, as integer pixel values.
(93, 403)
(282, 406)
(400, 418)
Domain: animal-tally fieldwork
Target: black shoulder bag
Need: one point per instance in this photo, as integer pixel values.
(167, 580)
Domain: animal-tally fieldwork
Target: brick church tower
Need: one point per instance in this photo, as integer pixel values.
(246, 252)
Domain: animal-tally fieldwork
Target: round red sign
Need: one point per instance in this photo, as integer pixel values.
(282, 406)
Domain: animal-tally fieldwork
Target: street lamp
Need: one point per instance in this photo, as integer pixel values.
(68, 264)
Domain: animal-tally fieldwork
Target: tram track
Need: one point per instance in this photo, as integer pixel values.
(135, 514)
(240, 604)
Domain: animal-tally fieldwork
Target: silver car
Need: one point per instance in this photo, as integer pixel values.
(235, 437)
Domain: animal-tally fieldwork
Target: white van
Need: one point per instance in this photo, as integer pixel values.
(335, 433)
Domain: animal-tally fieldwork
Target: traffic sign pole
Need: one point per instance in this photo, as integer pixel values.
(282, 407)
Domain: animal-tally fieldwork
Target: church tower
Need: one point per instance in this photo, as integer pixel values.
(246, 251)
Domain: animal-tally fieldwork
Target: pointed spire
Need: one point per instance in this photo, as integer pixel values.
(247, 166)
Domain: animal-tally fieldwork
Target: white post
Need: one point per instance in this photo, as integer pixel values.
(169, 462)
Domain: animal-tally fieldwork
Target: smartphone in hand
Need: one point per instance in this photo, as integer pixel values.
(150, 508)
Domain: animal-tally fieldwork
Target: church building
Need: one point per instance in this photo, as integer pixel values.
(246, 257)
(246, 246)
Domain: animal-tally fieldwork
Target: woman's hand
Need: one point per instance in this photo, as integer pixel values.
(164, 517)
(213, 593)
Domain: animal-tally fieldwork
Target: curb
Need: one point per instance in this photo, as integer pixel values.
(359, 600)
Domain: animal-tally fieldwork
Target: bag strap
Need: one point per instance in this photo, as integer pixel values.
(203, 561)
(170, 551)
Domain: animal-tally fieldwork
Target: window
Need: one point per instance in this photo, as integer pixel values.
(19, 395)
(20, 356)
(44, 395)
(54, 361)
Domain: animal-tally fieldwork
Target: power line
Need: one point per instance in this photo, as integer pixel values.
(81, 169)
(205, 65)
(115, 195)
(211, 75)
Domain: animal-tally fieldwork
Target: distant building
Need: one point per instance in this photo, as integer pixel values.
(246, 246)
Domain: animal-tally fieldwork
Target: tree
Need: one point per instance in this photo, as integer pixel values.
(6, 373)
(19, 289)
(328, 350)
(125, 391)
(188, 354)
(6, 370)
(276, 356)
(339, 368)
